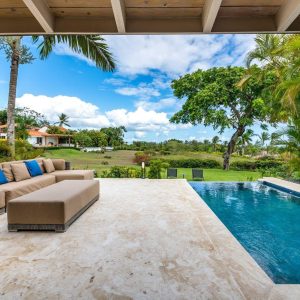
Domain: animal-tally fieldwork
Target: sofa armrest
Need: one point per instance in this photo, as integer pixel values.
(68, 165)
(2, 202)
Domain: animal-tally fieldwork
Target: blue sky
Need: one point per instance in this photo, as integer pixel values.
(137, 95)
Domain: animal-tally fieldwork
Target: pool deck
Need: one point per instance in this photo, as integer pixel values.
(144, 239)
(282, 183)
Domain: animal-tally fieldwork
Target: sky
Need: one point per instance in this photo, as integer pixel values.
(137, 95)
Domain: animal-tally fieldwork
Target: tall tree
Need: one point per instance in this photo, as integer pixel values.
(115, 135)
(264, 137)
(215, 140)
(17, 54)
(91, 46)
(63, 120)
(281, 54)
(214, 98)
(246, 139)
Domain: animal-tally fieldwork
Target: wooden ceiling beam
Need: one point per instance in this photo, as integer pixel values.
(42, 14)
(287, 14)
(209, 15)
(118, 7)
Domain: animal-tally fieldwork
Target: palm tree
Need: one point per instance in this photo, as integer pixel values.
(264, 137)
(63, 120)
(280, 54)
(17, 54)
(91, 46)
(215, 140)
(267, 50)
(246, 139)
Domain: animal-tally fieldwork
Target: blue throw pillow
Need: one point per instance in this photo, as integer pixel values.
(33, 168)
(3, 178)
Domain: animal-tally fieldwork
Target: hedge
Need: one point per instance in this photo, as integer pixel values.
(193, 163)
(256, 164)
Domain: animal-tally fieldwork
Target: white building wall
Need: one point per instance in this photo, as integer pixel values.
(52, 140)
(31, 140)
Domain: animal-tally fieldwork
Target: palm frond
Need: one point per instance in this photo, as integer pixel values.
(91, 46)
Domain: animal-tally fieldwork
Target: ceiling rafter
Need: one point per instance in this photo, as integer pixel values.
(42, 14)
(287, 14)
(118, 7)
(209, 15)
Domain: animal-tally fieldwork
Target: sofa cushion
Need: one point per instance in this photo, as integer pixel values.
(73, 174)
(59, 164)
(16, 189)
(33, 168)
(48, 164)
(20, 171)
(3, 178)
(8, 174)
(9, 163)
(42, 167)
(56, 204)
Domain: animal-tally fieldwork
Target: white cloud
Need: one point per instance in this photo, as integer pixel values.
(139, 134)
(140, 91)
(83, 114)
(172, 54)
(162, 104)
(176, 55)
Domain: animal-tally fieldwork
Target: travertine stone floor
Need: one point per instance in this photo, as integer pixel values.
(144, 239)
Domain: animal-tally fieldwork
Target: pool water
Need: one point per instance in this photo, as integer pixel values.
(264, 220)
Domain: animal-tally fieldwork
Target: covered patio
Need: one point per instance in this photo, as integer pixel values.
(147, 17)
(144, 239)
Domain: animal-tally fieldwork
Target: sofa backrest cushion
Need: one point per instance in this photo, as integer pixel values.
(20, 171)
(42, 167)
(8, 173)
(48, 164)
(59, 164)
(3, 178)
(33, 168)
(9, 163)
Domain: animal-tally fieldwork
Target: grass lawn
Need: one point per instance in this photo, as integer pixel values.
(220, 175)
(84, 160)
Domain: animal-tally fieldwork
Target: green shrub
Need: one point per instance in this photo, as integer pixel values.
(142, 157)
(260, 164)
(104, 163)
(193, 163)
(61, 148)
(107, 156)
(122, 172)
(155, 169)
(24, 150)
(4, 150)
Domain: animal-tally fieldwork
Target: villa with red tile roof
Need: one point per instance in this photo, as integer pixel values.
(39, 137)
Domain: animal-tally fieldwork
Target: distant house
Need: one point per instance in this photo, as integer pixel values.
(3, 134)
(38, 137)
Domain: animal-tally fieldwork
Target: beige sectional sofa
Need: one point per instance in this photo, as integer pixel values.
(14, 189)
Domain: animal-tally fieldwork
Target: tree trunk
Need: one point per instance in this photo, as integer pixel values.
(11, 104)
(231, 146)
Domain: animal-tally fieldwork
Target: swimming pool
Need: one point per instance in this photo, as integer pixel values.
(264, 220)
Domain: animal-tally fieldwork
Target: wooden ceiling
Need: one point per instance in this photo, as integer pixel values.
(148, 16)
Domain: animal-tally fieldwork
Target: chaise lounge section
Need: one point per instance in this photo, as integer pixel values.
(55, 207)
(16, 188)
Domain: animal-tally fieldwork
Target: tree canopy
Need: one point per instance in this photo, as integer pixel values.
(214, 98)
